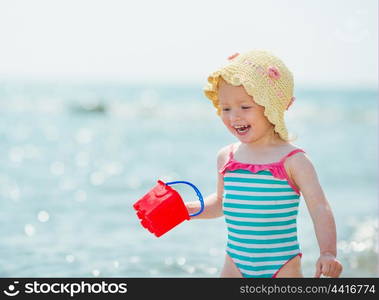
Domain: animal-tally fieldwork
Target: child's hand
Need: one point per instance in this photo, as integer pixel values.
(328, 265)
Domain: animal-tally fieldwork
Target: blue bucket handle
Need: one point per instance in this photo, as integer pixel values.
(197, 192)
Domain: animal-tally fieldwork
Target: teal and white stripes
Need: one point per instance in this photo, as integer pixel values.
(260, 212)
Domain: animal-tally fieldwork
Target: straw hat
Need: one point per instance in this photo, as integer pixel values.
(264, 77)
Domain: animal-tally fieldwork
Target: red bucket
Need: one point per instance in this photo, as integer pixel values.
(162, 208)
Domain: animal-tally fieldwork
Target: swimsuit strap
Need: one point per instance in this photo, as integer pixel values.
(291, 153)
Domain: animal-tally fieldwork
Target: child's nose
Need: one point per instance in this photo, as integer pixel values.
(234, 116)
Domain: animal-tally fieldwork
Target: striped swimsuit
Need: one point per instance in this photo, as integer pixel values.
(260, 206)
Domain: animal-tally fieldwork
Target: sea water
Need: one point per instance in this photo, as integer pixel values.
(75, 157)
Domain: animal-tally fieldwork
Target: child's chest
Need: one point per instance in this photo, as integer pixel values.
(276, 163)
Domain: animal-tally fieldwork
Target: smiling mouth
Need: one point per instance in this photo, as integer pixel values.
(242, 129)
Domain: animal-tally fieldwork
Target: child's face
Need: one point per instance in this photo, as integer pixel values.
(241, 115)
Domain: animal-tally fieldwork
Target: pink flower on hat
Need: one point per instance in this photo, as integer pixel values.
(273, 72)
(233, 56)
(289, 104)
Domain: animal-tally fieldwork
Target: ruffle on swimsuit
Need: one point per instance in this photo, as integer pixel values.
(277, 169)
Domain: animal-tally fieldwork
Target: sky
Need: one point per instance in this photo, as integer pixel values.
(324, 42)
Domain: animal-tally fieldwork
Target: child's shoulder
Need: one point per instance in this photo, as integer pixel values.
(299, 161)
(298, 156)
(225, 149)
(223, 154)
(302, 172)
(291, 147)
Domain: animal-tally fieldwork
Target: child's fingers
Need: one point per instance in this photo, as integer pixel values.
(336, 274)
(318, 270)
(336, 271)
(332, 270)
(325, 269)
(339, 269)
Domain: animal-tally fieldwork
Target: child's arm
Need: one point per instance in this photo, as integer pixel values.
(213, 202)
(304, 175)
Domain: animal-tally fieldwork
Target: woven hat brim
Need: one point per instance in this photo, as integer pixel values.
(230, 75)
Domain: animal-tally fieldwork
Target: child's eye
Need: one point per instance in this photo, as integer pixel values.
(225, 109)
(246, 107)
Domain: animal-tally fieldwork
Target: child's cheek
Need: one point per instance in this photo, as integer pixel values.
(226, 123)
(224, 119)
